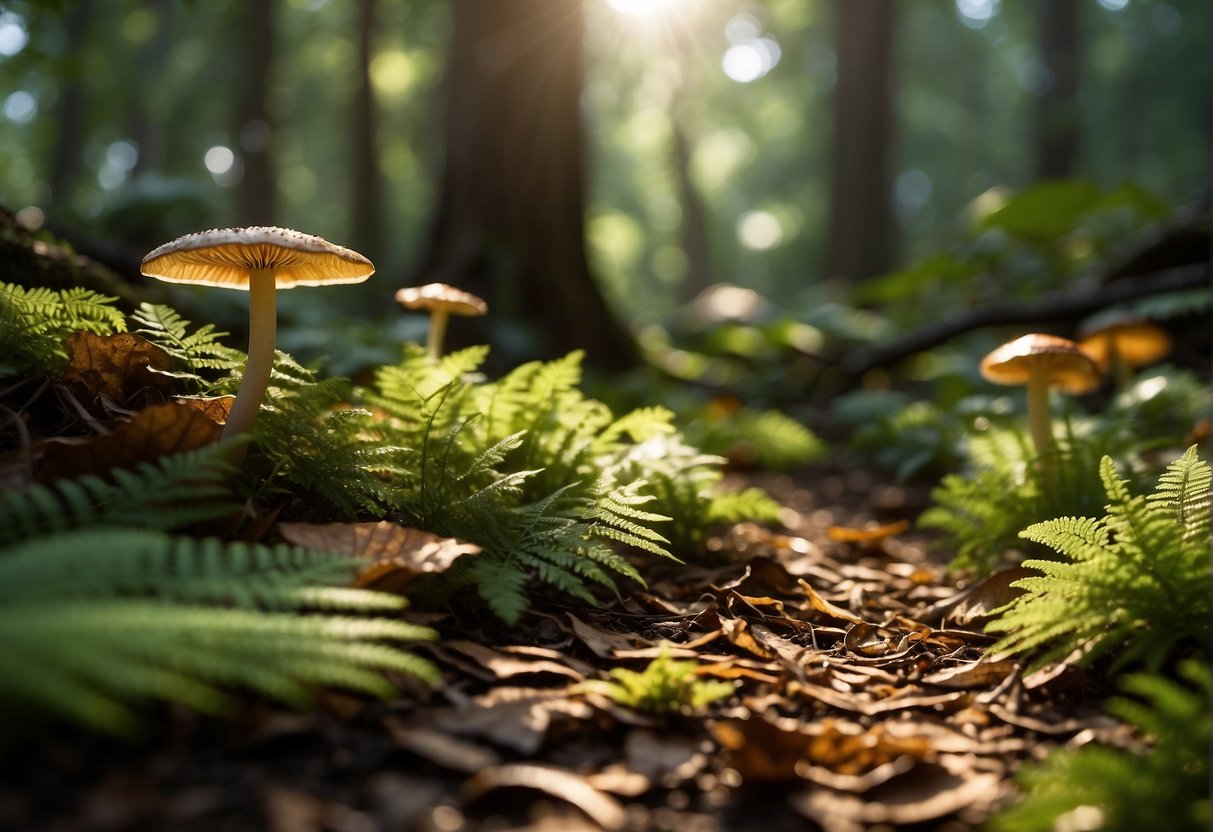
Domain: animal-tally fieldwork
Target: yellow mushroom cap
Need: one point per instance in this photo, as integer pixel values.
(1137, 342)
(225, 256)
(1069, 368)
(436, 296)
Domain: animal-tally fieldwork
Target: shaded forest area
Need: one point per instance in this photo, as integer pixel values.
(770, 415)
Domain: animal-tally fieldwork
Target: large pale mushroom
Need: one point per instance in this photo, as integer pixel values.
(441, 301)
(259, 260)
(1040, 362)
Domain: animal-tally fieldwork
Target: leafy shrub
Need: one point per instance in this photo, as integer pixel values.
(1164, 787)
(1135, 581)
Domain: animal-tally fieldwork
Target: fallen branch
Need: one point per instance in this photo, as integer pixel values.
(1065, 305)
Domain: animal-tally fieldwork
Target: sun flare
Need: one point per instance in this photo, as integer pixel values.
(642, 8)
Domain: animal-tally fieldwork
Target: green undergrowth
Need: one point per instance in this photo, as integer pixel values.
(1133, 582)
(126, 585)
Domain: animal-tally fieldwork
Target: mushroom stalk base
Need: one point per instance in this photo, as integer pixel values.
(437, 333)
(1040, 423)
(262, 320)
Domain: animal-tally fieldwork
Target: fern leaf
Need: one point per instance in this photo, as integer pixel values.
(1134, 582)
(172, 492)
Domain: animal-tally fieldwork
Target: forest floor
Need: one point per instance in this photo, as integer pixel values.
(864, 699)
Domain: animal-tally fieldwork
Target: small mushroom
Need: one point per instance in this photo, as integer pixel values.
(1119, 343)
(1041, 361)
(258, 260)
(442, 301)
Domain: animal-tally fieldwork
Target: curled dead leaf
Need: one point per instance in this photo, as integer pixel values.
(559, 783)
(153, 432)
(115, 370)
(398, 555)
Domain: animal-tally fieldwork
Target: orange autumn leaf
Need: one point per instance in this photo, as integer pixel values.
(848, 534)
(216, 409)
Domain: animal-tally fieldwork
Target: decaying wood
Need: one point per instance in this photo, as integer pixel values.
(1053, 307)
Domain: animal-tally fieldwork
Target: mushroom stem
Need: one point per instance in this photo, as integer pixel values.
(262, 320)
(433, 341)
(1039, 421)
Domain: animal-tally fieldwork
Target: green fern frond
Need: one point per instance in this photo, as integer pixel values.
(1095, 787)
(191, 351)
(35, 324)
(98, 620)
(173, 492)
(1134, 581)
(982, 512)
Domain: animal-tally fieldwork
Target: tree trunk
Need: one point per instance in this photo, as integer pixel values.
(145, 130)
(65, 154)
(366, 235)
(256, 196)
(860, 242)
(1056, 125)
(509, 223)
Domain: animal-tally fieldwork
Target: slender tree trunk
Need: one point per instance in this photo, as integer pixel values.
(366, 235)
(65, 154)
(860, 242)
(509, 223)
(145, 130)
(1056, 125)
(694, 229)
(256, 197)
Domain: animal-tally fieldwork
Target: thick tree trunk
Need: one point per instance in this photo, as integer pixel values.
(366, 235)
(256, 196)
(860, 242)
(510, 215)
(1056, 127)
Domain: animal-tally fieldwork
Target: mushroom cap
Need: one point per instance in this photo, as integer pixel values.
(1138, 341)
(442, 296)
(1070, 369)
(225, 256)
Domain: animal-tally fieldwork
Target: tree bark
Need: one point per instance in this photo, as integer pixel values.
(366, 235)
(509, 223)
(1056, 125)
(256, 196)
(860, 241)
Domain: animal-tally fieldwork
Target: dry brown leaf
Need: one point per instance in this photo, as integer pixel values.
(400, 555)
(667, 758)
(515, 718)
(492, 664)
(604, 644)
(737, 631)
(825, 607)
(559, 783)
(217, 408)
(441, 748)
(154, 432)
(115, 368)
(924, 793)
(982, 673)
(974, 603)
